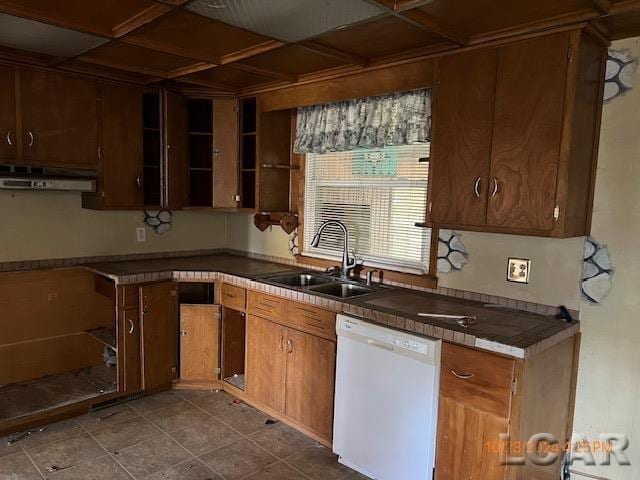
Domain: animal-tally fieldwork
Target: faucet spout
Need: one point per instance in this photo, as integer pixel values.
(348, 263)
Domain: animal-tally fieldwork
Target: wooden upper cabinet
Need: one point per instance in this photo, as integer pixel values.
(515, 136)
(463, 122)
(8, 133)
(158, 304)
(225, 153)
(120, 182)
(176, 150)
(528, 123)
(59, 120)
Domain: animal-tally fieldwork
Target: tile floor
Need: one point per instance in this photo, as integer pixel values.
(176, 435)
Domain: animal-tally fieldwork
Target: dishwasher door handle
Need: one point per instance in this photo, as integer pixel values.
(375, 343)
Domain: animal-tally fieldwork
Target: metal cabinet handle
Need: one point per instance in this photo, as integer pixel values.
(476, 187)
(9, 137)
(463, 376)
(281, 343)
(132, 326)
(31, 138)
(495, 187)
(290, 346)
(138, 181)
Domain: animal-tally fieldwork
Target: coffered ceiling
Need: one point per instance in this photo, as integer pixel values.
(238, 46)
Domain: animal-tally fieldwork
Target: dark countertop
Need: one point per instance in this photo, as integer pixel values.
(391, 306)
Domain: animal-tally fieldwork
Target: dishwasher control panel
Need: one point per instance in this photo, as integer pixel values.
(385, 337)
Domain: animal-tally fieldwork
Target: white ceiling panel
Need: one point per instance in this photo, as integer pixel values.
(23, 34)
(287, 20)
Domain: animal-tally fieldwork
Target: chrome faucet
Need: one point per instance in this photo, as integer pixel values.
(348, 263)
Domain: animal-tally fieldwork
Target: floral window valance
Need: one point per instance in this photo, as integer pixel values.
(397, 119)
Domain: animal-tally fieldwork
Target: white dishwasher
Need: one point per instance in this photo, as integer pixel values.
(386, 401)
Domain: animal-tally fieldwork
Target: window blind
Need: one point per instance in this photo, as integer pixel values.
(379, 194)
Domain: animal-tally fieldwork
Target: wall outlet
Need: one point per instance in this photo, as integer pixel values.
(519, 270)
(141, 234)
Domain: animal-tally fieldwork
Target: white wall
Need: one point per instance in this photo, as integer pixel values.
(608, 396)
(41, 225)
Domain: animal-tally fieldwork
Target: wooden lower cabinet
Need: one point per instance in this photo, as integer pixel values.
(292, 372)
(199, 343)
(311, 363)
(489, 403)
(465, 443)
(159, 334)
(130, 351)
(266, 362)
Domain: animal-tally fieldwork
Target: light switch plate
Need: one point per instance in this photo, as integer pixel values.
(519, 270)
(141, 234)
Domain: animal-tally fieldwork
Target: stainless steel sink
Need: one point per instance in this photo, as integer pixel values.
(300, 279)
(342, 290)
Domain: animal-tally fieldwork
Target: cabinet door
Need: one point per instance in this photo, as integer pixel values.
(234, 332)
(8, 134)
(527, 130)
(176, 150)
(225, 152)
(59, 119)
(199, 342)
(461, 150)
(467, 440)
(310, 381)
(159, 334)
(129, 351)
(266, 362)
(121, 146)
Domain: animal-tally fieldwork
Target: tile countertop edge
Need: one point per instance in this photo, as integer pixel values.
(370, 314)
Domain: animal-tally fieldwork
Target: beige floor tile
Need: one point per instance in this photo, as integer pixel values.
(154, 402)
(51, 433)
(319, 463)
(189, 470)
(152, 456)
(18, 467)
(238, 459)
(175, 417)
(119, 436)
(245, 419)
(66, 453)
(108, 416)
(282, 440)
(206, 436)
(104, 468)
(6, 449)
(278, 471)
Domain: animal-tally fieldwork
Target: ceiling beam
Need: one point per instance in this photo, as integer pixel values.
(423, 20)
(148, 15)
(403, 5)
(334, 53)
(625, 6)
(189, 69)
(603, 6)
(265, 72)
(251, 51)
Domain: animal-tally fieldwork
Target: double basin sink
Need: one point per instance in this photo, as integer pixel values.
(323, 284)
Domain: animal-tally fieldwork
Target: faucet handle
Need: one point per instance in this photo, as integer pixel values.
(370, 276)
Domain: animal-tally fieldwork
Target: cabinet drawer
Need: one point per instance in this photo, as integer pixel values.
(234, 297)
(266, 306)
(313, 319)
(130, 296)
(477, 379)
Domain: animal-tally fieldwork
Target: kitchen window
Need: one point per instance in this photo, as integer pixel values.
(379, 194)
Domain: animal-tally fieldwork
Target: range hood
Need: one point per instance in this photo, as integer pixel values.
(19, 177)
